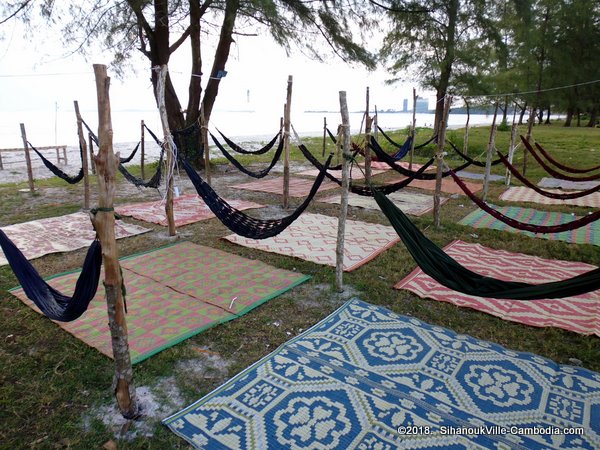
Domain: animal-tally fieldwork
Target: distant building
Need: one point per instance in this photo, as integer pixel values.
(422, 105)
(405, 105)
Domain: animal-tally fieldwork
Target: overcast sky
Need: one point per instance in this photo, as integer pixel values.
(256, 65)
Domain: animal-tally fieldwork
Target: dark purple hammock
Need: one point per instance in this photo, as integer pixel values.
(562, 166)
(575, 224)
(553, 172)
(557, 195)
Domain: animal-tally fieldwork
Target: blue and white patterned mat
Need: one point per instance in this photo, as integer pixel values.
(366, 378)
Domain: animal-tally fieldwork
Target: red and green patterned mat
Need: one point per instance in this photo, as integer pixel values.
(174, 293)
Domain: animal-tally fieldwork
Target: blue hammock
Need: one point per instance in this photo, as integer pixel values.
(52, 303)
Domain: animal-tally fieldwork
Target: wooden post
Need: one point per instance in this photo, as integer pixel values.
(286, 144)
(466, 137)
(169, 146)
(1, 166)
(92, 159)
(528, 137)
(511, 150)
(490, 153)
(205, 147)
(376, 125)
(84, 157)
(324, 135)
(440, 163)
(142, 149)
(345, 138)
(27, 159)
(104, 222)
(368, 124)
(413, 130)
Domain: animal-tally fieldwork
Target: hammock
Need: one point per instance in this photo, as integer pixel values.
(331, 136)
(557, 195)
(130, 157)
(91, 133)
(395, 144)
(445, 270)
(56, 171)
(239, 149)
(471, 160)
(236, 163)
(153, 182)
(52, 303)
(236, 220)
(396, 156)
(553, 172)
(187, 140)
(365, 191)
(408, 173)
(562, 166)
(573, 225)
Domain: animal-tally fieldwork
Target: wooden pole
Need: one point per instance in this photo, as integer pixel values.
(104, 222)
(413, 130)
(440, 163)
(368, 124)
(324, 135)
(169, 146)
(27, 159)
(490, 153)
(466, 137)
(205, 146)
(345, 142)
(286, 144)
(528, 137)
(84, 157)
(142, 149)
(376, 125)
(92, 159)
(512, 146)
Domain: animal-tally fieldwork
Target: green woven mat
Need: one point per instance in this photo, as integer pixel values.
(589, 234)
(174, 293)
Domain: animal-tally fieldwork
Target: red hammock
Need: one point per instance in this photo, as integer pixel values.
(562, 166)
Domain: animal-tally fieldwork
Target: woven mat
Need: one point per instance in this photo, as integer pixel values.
(409, 202)
(59, 234)
(313, 237)
(366, 378)
(479, 176)
(385, 166)
(299, 187)
(580, 314)
(448, 185)
(525, 194)
(174, 293)
(565, 184)
(589, 234)
(186, 209)
(355, 173)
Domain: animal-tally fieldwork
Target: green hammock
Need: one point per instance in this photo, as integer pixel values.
(445, 270)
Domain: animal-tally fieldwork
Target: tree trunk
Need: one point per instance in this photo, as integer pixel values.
(547, 122)
(522, 114)
(195, 88)
(593, 117)
(446, 66)
(569, 118)
(578, 117)
(221, 56)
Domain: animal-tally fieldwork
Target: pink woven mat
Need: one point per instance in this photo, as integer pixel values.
(59, 234)
(525, 194)
(413, 203)
(186, 209)
(313, 237)
(580, 314)
(355, 173)
(299, 187)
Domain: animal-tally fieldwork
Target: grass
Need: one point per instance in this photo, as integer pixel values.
(51, 381)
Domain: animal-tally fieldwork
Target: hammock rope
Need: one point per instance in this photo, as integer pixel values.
(447, 271)
(235, 147)
(239, 222)
(553, 172)
(557, 195)
(364, 190)
(58, 172)
(130, 157)
(51, 302)
(471, 160)
(241, 168)
(408, 173)
(545, 229)
(562, 166)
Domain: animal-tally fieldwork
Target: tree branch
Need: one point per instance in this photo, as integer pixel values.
(17, 11)
(180, 41)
